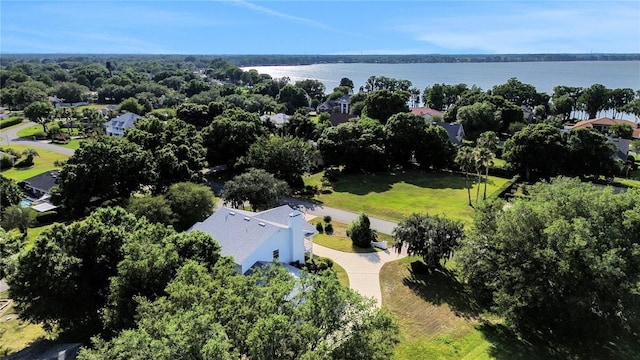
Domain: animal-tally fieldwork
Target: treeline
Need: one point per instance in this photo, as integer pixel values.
(265, 60)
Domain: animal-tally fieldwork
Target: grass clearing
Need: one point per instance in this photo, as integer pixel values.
(16, 334)
(42, 163)
(339, 240)
(393, 196)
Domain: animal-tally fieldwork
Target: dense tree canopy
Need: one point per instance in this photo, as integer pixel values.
(84, 277)
(287, 158)
(381, 104)
(257, 187)
(10, 192)
(404, 134)
(230, 135)
(536, 148)
(563, 260)
(110, 168)
(433, 238)
(355, 145)
(478, 118)
(215, 314)
(39, 112)
(589, 153)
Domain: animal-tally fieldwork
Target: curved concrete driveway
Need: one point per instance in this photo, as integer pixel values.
(10, 137)
(363, 269)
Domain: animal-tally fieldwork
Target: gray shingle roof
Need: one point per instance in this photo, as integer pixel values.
(125, 121)
(240, 233)
(452, 129)
(43, 182)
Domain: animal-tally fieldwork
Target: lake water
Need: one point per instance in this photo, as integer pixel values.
(543, 75)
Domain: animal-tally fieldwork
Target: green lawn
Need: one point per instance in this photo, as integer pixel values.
(339, 240)
(439, 320)
(393, 196)
(15, 333)
(72, 144)
(42, 163)
(28, 133)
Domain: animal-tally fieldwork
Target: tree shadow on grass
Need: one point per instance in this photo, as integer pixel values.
(440, 286)
(362, 184)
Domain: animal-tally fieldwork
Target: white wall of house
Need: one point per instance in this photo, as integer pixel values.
(279, 241)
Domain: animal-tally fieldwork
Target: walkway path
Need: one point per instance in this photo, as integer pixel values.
(363, 269)
(10, 137)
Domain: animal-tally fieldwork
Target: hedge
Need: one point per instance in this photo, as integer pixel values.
(10, 122)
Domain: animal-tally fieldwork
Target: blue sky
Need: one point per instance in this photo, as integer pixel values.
(319, 27)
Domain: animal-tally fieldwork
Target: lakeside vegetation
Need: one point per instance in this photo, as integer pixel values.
(204, 112)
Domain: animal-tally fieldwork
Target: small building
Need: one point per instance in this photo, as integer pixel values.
(426, 112)
(278, 119)
(339, 105)
(455, 131)
(118, 125)
(40, 185)
(249, 237)
(602, 124)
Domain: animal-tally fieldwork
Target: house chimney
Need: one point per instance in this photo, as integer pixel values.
(296, 235)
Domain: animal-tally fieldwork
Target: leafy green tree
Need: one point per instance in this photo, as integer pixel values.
(111, 168)
(72, 92)
(563, 105)
(230, 135)
(562, 261)
(195, 86)
(589, 153)
(132, 105)
(404, 134)
(520, 94)
(433, 238)
(177, 150)
(434, 97)
(618, 99)
(314, 88)
(39, 112)
(257, 187)
(361, 233)
(293, 97)
(435, 150)
(594, 99)
(287, 158)
(381, 104)
(300, 125)
(10, 192)
(622, 131)
(10, 245)
(194, 114)
(155, 208)
(19, 217)
(190, 203)
(356, 145)
(478, 118)
(320, 320)
(63, 280)
(536, 148)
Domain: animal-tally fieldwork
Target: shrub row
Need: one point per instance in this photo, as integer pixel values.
(10, 122)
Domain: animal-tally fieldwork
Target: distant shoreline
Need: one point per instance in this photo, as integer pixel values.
(291, 60)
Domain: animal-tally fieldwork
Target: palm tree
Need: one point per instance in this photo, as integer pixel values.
(465, 159)
(30, 153)
(488, 144)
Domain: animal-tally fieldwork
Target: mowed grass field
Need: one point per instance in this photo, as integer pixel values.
(393, 196)
(339, 240)
(42, 163)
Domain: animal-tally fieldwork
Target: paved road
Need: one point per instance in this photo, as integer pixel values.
(3, 285)
(10, 137)
(346, 217)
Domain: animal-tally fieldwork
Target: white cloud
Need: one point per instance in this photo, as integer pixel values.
(526, 28)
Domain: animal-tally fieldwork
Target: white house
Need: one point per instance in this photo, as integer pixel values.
(117, 125)
(339, 105)
(259, 237)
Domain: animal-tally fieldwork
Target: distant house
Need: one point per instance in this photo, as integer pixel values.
(455, 131)
(339, 105)
(249, 237)
(340, 118)
(426, 112)
(602, 124)
(278, 119)
(38, 188)
(117, 125)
